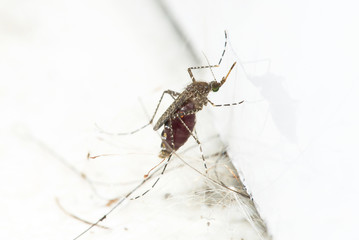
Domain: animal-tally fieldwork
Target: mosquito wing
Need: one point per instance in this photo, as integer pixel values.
(171, 109)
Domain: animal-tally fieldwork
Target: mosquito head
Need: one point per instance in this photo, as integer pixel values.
(215, 86)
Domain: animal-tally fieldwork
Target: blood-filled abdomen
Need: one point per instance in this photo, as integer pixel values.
(177, 132)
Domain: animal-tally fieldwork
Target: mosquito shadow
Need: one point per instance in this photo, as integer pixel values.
(282, 106)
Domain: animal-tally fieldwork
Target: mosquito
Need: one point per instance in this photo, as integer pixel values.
(179, 121)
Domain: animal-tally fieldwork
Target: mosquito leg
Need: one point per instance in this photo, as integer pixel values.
(200, 67)
(148, 173)
(173, 94)
(165, 166)
(210, 66)
(193, 135)
(200, 149)
(112, 209)
(76, 217)
(164, 169)
(172, 135)
(224, 105)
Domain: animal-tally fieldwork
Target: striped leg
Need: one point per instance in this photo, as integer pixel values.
(164, 168)
(154, 184)
(173, 94)
(210, 66)
(224, 105)
(200, 67)
(195, 137)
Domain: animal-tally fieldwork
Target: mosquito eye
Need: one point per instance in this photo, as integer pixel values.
(215, 87)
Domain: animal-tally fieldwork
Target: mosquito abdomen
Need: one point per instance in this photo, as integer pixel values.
(178, 129)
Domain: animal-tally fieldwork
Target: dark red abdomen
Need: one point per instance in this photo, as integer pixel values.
(175, 132)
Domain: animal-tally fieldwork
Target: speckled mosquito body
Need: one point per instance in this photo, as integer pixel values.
(179, 119)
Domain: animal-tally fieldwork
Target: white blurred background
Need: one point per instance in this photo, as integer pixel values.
(66, 65)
